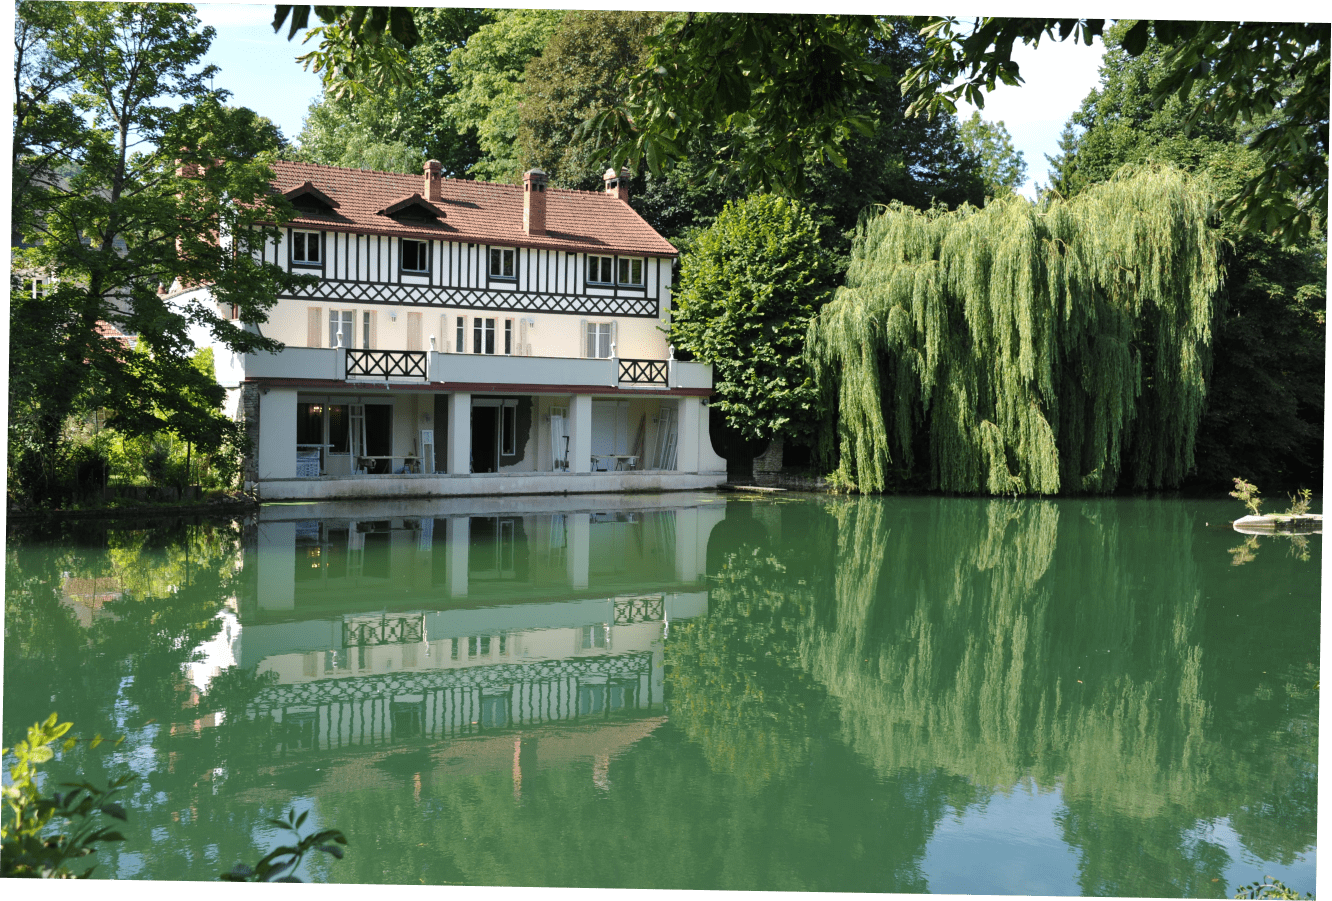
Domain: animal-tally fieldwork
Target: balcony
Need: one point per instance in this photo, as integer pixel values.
(386, 364)
(407, 367)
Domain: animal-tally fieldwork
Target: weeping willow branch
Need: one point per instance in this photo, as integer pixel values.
(1027, 349)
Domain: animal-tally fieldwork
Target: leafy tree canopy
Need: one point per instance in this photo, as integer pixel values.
(580, 72)
(405, 122)
(779, 91)
(1272, 76)
(1002, 167)
(488, 73)
(1024, 350)
(748, 287)
(112, 210)
(1265, 398)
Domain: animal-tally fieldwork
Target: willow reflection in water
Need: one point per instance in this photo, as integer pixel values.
(1067, 644)
(691, 692)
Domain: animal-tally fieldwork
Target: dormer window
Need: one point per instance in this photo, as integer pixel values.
(415, 256)
(309, 200)
(501, 262)
(414, 209)
(305, 247)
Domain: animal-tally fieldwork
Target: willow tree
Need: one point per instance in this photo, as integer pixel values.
(1024, 349)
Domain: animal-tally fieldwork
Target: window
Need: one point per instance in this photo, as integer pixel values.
(599, 340)
(365, 329)
(501, 263)
(305, 248)
(599, 270)
(341, 320)
(631, 272)
(462, 330)
(415, 256)
(609, 271)
(508, 336)
(483, 336)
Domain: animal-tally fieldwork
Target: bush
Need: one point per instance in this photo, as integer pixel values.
(29, 847)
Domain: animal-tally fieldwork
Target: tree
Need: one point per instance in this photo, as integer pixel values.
(778, 92)
(751, 77)
(116, 210)
(580, 72)
(401, 124)
(1002, 167)
(42, 109)
(1024, 350)
(1273, 74)
(748, 287)
(488, 73)
(335, 134)
(1265, 398)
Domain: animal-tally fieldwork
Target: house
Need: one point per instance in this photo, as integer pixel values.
(468, 338)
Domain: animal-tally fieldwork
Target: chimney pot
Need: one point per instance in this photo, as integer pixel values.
(433, 186)
(534, 202)
(617, 184)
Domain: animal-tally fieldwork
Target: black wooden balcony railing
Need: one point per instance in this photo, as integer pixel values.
(643, 372)
(386, 364)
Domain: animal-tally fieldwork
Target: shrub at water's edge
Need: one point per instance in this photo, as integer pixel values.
(30, 846)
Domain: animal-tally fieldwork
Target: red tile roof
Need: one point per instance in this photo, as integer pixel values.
(107, 330)
(474, 211)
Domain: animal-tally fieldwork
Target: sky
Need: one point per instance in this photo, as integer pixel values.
(260, 69)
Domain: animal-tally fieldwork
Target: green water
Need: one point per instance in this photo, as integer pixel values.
(704, 691)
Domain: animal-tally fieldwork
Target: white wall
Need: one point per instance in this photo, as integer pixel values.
(277, 433)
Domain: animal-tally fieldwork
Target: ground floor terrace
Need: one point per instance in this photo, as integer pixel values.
(326, 439)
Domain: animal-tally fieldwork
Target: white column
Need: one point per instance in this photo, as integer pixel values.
(277, 433)
(580, 433)
(458, 531)
(276, 558)
(459, 451)
(578, 548)
(687, 446)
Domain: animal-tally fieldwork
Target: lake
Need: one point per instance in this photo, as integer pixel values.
(692, 691)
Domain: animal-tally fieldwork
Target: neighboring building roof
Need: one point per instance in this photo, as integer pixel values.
(107, 330)
(475, 212)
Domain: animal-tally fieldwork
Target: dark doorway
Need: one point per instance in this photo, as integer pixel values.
(485, 446)
(379, 436)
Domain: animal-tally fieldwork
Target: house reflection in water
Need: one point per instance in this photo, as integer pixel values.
(407, 623)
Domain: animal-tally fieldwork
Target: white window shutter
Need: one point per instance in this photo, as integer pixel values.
(615, 334)
(314, 326)
(413, 331)
(582, 335)
(444, 343)
(374, 329)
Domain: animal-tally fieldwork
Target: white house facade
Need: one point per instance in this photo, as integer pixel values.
(466, 338)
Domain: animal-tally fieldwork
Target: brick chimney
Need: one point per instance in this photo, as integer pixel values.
(534, 202)
(433, 190)
(617, 185)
